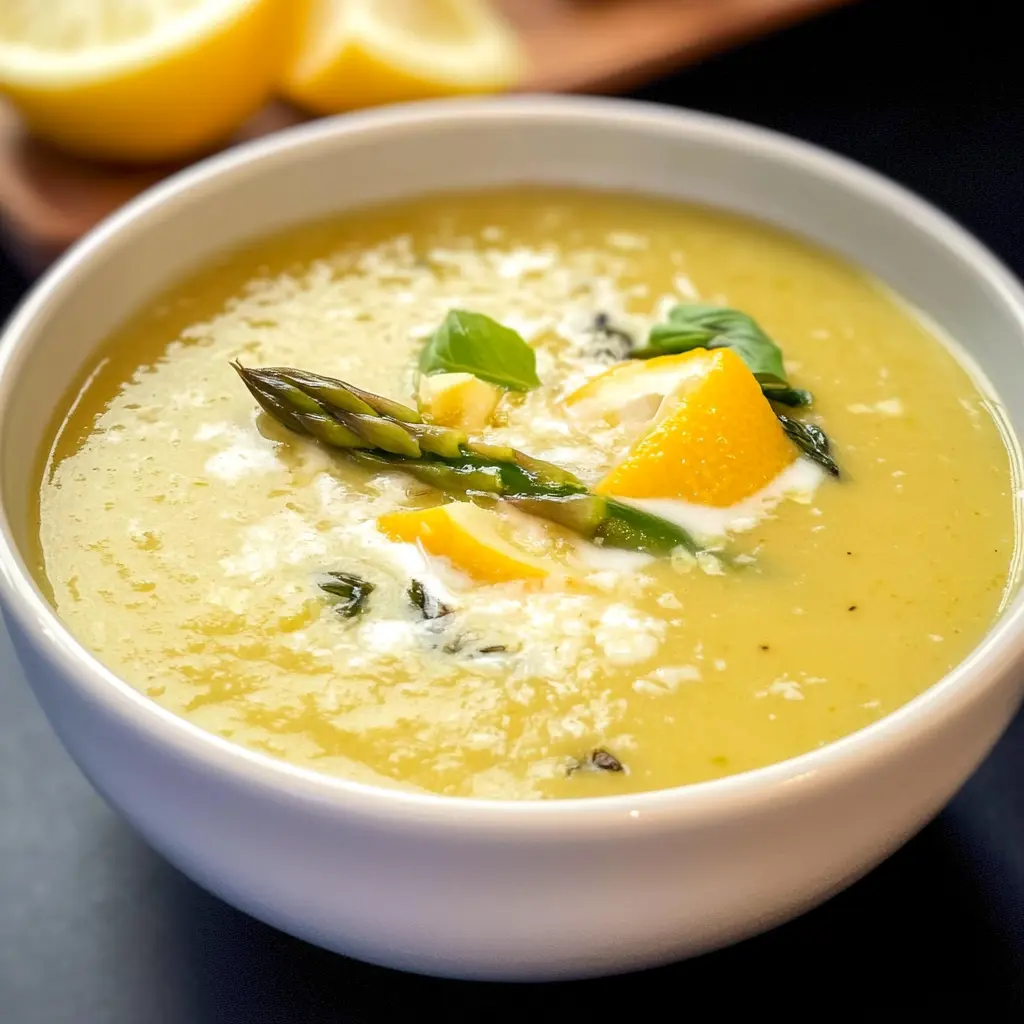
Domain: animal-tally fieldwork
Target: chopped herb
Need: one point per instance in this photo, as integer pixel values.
(597, 760)
(473, 343)
(430, 607)
(464, 640)
(812, 442)
(610, 342)
(351, 590)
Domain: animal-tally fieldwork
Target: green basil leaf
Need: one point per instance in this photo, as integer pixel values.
(473, 343)
(701, 326)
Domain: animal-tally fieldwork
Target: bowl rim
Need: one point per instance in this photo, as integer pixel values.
(25, 605)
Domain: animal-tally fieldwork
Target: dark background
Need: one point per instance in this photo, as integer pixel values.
(96, 929)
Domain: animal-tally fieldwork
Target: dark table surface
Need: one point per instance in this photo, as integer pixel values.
(96, 929)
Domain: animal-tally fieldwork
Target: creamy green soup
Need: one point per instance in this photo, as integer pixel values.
(186, 536)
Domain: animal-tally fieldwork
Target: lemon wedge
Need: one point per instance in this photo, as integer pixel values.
(458, 400)
(714, 441)
(471, 538)
(631, 392)
(360, 53)
(139, 80)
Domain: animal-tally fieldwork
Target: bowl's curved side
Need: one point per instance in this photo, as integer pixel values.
(460, 886)
(506, 903)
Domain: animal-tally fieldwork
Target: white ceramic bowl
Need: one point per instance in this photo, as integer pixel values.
(469, 888)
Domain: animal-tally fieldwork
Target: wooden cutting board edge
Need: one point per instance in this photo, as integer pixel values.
(48, 200)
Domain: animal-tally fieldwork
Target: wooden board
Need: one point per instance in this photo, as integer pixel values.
(48, 200)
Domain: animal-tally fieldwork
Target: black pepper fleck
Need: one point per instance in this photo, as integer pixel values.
(852, 608)
(597, 760)
(605, 762)
(764, 647)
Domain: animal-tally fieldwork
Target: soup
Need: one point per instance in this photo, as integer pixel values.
(721, 560)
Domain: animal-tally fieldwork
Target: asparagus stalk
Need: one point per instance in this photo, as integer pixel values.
(385, 435)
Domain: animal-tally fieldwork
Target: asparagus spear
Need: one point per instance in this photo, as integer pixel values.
(382, 434)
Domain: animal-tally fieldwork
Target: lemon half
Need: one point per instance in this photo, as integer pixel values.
(139, 80)
(360, 53)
